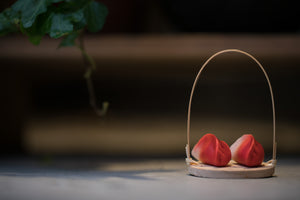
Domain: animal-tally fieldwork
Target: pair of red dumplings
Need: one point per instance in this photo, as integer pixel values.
(245, 151)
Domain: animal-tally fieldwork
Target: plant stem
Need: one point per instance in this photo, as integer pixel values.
(90, 65)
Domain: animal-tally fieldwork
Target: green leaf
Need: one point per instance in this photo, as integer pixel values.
(45, 21)
(69, 40)
(56, 1)
(76, 16)
(33, 33)
(78, 19)
(95, 14)
(8, 20)
(60, 26)
(39, 28)
(77, 3)
(30, 9)
(79, 25)
(13, 16)
(35, 39)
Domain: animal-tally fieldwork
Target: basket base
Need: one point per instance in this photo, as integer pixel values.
(233, 170)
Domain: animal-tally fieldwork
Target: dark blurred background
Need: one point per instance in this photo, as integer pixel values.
(148, 55)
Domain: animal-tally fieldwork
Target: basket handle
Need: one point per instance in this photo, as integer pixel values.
(189, 160)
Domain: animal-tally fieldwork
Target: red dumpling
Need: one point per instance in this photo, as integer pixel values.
(247, 151)
(210, 150)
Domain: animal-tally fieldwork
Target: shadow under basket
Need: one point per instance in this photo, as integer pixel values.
(233, 169)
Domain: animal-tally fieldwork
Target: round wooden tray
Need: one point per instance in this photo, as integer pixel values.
(232, 170)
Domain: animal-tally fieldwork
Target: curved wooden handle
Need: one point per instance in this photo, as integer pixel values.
(192, 93)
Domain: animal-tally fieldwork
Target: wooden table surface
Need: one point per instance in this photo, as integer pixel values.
(95, 178)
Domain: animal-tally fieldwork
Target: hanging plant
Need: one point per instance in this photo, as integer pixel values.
(67, 19)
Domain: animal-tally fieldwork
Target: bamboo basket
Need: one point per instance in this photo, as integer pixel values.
(232, 170)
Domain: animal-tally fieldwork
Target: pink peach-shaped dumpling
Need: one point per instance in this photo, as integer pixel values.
(247, 151)
(210, 150)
